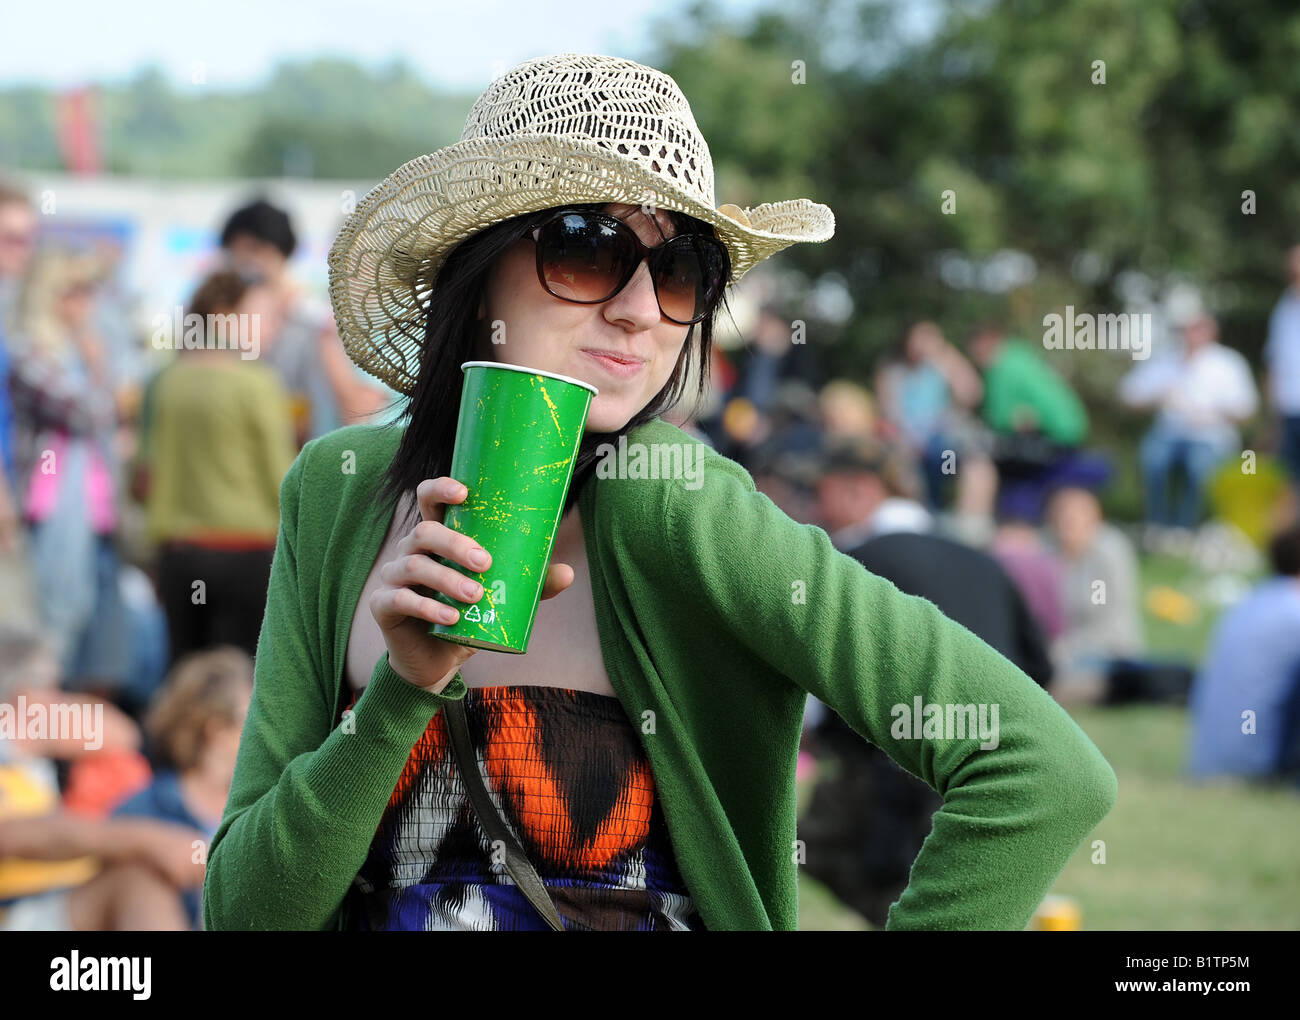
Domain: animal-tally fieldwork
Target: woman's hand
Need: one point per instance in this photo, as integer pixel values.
(404, 614)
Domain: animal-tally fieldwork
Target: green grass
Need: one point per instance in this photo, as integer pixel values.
(1181, 856)
(1178, 856)
(1169, 638)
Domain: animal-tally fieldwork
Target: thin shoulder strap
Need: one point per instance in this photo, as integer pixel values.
(516, 863)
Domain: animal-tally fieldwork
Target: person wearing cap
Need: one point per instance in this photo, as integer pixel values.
(644, 749)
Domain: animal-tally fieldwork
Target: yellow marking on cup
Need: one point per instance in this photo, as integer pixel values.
(563, 465)
(551, 404)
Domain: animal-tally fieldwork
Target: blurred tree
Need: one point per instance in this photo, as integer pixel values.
(1104, 142)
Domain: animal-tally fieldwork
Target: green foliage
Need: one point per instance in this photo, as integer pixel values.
(999, 103)
(321, 118)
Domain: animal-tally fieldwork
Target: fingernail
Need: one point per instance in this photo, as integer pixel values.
(471, 589)
(479, 558)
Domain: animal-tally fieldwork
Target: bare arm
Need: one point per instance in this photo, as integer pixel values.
(118, 732)
(62, 837)
(965, 383)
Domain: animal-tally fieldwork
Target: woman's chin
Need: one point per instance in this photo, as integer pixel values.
(605, 425)
(605, 419)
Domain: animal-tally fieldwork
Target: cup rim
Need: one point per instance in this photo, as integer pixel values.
(530, 371)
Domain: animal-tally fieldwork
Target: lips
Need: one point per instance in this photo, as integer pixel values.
(624, 359)
(616, 364)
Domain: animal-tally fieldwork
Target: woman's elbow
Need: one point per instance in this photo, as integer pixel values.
(1091, 788)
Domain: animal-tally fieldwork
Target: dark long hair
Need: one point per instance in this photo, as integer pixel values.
(451, 337)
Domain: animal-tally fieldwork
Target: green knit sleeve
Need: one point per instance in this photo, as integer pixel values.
(1019, 797)
(307, 795)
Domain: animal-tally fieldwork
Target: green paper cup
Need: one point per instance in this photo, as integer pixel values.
(517, 438)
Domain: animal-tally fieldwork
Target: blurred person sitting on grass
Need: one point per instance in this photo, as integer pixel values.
(1245, 701)
(1023, 397)
(64, 872)
(216, 439)
(846, 409)
(1100, 594)
(866, 488)
(926, 391)
(1201, 398)
(1038, 425)
(1037, 570)
(193, 727)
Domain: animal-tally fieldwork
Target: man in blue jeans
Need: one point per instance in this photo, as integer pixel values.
(1201, 398)
(1282, 359)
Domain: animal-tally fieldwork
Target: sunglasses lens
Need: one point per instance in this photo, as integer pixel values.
(583, 259)
(586, 258)
(688, 279)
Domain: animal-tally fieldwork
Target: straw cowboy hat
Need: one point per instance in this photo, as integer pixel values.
(558, 130)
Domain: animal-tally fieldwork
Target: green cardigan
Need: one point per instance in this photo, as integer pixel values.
(717, 615)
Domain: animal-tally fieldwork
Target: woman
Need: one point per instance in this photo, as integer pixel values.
(193, 726)
(928, 391)
(66, 417)
(644, 750)
(216, 439)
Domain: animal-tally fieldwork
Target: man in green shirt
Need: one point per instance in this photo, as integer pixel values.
(1021, 394)
(1038, 426)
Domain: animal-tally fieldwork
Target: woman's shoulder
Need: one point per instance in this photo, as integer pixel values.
(351, 452)
(336, 472)
(661, 484)
(659, 456)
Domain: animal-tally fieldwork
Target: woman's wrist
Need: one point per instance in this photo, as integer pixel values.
(385, 665)
(442, 684)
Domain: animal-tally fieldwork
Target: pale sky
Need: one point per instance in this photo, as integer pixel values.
(236, 42)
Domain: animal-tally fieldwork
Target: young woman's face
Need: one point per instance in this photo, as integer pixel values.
(543, 332)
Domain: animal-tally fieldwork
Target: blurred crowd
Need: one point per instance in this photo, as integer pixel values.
(967, 479)
(138, 519)
(139, 514)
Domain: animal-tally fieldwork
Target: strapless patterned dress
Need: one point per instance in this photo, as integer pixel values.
(574, 784)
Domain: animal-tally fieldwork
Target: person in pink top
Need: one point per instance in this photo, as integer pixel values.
(65, 417)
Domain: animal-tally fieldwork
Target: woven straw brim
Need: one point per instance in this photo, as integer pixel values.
(388, 251)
